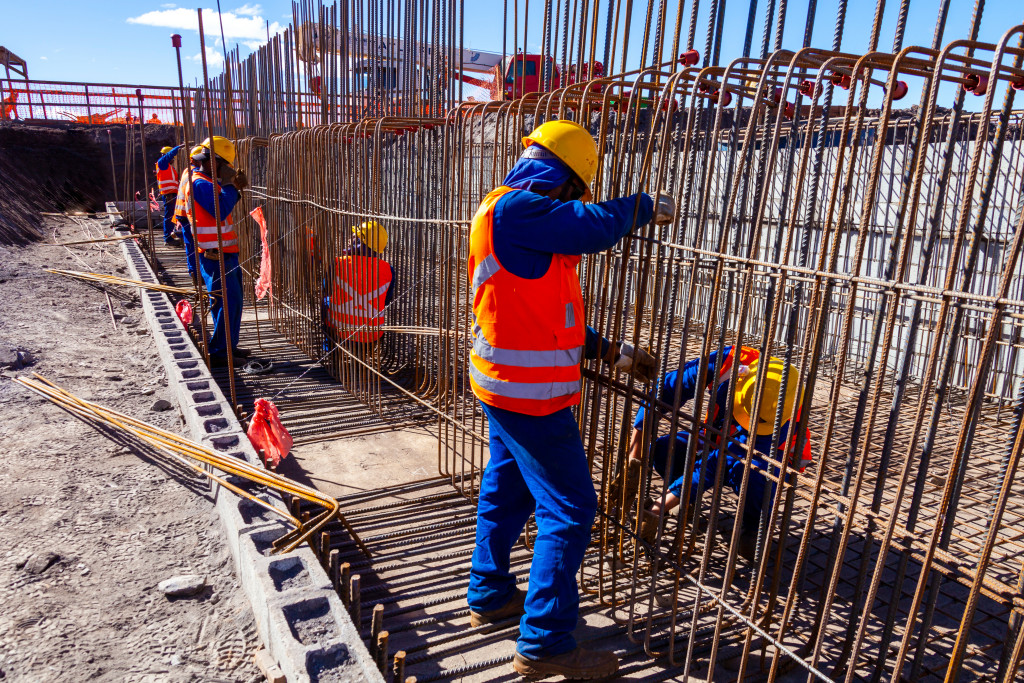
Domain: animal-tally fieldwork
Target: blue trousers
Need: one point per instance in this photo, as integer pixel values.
(731, 477)
(169, 200)
(190, 249)
(538, 465)
(210, 269)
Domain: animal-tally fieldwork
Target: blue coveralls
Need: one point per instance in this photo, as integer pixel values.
(735, 452)
(163, 163)
(202, 194)
(538, 464)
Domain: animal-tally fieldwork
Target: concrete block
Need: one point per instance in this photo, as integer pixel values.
(301, 620)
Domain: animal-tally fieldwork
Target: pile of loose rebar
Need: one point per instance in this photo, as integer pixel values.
(203, 460)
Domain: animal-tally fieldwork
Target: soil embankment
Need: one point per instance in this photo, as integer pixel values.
(67, 167)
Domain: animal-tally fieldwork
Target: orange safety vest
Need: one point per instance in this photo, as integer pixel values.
(360, 289)
(528, 335)
(181, 203)
(204, 226)
(167, 180)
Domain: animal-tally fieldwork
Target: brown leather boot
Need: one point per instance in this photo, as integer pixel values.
(512, 608)
(578, 664)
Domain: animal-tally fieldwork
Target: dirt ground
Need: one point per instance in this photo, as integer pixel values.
(89, 527)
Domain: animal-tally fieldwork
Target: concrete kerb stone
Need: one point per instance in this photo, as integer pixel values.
(300, 618)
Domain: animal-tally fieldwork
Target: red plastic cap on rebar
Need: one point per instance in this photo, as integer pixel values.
(976, 84)
(689, 58)
(777, 94)
(788, 110)
(722, 98)
(900, 91)
(810, 89)
(175, 40)
(1017, 84)
(841, 80)
(138, 93)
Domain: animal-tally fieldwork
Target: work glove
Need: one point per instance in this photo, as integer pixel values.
(628, 480)
(241, 181)
(637, 362)
(664, 209)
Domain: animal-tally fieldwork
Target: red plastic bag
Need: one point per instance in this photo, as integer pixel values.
(184, 311)
(263, 286)
(267, 432)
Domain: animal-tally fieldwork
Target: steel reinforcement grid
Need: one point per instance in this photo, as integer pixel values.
(877, 251)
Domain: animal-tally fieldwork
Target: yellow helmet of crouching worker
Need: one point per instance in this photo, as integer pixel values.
(746, 386)
(372, 234)
(222, 147)
(570, 142)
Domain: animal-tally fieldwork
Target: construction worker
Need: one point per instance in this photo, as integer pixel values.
(361, 286)
(181, 213)
(167, 183)
(211, 237)
(733, 450)
(9, 107)
(529, 337)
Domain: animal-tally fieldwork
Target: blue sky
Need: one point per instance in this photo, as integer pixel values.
(117, 41)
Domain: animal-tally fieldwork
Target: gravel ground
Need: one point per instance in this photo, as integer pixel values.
(89, 527)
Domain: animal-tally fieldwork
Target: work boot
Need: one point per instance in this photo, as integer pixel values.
(241, 353)
(578, 664)
(627, 479)
(513, 608)
(747, 544)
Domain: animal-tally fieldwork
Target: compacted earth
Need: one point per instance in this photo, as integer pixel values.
(88, 526)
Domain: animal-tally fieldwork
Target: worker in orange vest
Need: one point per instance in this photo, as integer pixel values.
(181, 212)
(529, 338)
(669, 452)
(211, 238)
(360, 286)
(167, 183)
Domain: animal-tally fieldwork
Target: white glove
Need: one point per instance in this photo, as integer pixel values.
(636, 362)
(664, 209)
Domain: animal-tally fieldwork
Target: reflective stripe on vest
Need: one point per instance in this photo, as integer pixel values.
(167, 180)
(181, 203)
(357, 303)
(527, 334)
(204, 226)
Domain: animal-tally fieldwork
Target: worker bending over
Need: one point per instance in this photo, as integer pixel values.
(360, 287)
(181, 212)
(733, 449)
(167, 183)
(529, 338)
(211, 236)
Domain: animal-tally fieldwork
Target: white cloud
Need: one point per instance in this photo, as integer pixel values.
(248, 10)
(243, 24)
(214, 59)
(43, 58)
(168, 5)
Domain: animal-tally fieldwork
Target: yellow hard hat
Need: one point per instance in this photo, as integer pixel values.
(570, 142)
(222, 147)
(165, 150)
(743, 399)
(198, 149)
(372, 234)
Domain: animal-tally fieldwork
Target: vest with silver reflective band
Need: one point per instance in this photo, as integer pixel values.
(357, 303)
(204, 226)
(181, 203)
(528, 335)
(167, 180)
